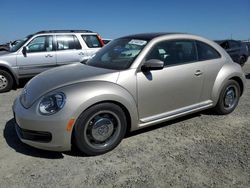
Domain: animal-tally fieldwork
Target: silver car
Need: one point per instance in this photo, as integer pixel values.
(134, 82)
(44, 50)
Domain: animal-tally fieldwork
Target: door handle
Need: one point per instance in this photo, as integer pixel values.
(81, 53)
(198, 73)
(48, 55)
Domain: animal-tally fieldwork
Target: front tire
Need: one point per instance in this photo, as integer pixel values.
(229, 98)
(100, 129)
(6, 81)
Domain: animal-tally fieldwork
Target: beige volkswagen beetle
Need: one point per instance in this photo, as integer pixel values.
(134, 82)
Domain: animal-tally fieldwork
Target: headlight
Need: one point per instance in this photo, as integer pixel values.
(52, 103)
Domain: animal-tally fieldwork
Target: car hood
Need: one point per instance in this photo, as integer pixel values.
(3, 53)
(63, 76)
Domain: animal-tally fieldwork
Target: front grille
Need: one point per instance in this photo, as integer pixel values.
(37, 136)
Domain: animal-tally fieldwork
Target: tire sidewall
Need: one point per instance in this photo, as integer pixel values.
(79, 128)
(10, 81)
(220, 105)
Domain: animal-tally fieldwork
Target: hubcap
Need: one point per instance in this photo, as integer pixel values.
(102, 129)
(3, 82)
(230, 97)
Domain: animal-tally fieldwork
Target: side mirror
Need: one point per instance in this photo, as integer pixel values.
(24, 50)
(152, 64)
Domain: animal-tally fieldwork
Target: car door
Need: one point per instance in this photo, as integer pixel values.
(68, 50)
(176, 87)
(212, 62)
(40, 56)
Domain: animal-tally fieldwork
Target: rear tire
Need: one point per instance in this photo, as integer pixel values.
(100, 129)
(6, 81)
(229, 98)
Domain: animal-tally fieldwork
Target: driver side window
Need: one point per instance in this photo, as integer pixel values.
(41, 44)
(174, 52)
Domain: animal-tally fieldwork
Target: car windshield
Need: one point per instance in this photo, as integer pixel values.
(20, 44)
(118, 54)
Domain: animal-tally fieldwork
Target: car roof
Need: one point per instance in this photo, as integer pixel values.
(64, 31)
(221, 41)
(150, 36)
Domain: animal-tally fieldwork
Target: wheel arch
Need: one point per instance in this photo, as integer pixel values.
(103, 92)
(8, 69)
(240, 82)
(230, 71)
(122, 106)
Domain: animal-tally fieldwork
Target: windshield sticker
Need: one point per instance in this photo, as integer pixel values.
(138, 42)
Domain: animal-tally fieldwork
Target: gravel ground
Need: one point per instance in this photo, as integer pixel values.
(200, 150)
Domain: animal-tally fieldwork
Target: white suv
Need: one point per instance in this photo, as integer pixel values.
(43, 50)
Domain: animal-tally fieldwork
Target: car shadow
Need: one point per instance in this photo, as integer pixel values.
(165, 124)
(13, 141)
(22, 83)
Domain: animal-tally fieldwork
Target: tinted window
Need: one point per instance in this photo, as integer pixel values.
(20, 44)
(206, 52)
(65, 42)
(234, 44)
(106, 41)
(174, 52)
(224, 45)
(92, 41)
(41, 44)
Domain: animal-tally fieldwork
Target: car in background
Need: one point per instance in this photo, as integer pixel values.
(4, 47)
(13, 43)
(238, 51)
(134, 82)
(248, 46)
(44, 50)
(106, 41)
(7, 46)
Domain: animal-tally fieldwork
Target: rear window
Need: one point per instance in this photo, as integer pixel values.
(234, 44)
(92, 41)
(206, 52)
(225, 45)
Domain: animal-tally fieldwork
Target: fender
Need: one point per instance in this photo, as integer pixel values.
(228, 71)
(93, 92)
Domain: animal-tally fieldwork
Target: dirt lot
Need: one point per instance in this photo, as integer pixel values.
(200, 150)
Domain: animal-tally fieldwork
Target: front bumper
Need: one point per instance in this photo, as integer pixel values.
(43, 132)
